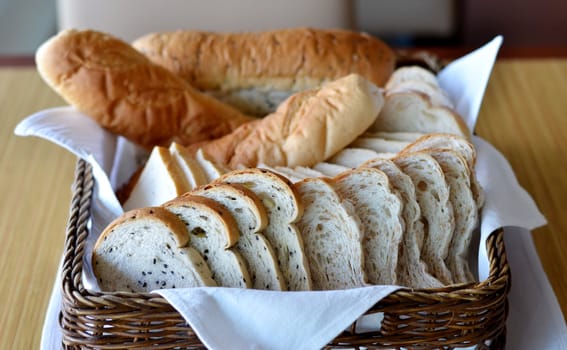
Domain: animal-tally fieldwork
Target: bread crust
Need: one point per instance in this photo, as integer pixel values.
(291, 59)
(111, 82)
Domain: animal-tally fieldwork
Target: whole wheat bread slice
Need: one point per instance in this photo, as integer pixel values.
(379, 209)
(214, 234)
(251, 219)
(283, 208)
(411, 270)
(332, 235)
(437, 212)
(147, 249)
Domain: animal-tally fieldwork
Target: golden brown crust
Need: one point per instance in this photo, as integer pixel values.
(176, 226)
(292, 59)
(113, 83)
(307, 128)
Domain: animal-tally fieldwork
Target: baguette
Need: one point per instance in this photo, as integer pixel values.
(256, 71)
(117, 86)
(307, 128)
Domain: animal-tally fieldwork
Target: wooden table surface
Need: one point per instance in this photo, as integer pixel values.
(524, 115)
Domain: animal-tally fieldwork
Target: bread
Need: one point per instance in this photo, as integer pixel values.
(117, 86)
(432, 193)
(147, 249)
(352, 157)
(379, 209)
(256, 71)
(212, 169)
(332, 235)
(194, 173)
(307, 128)
(404, 136)
(251, 219)
(329, 169)
(283, 208)
(161, 179)
(410, 73)
(378, 144)
(412, 111)
(214, 234)
(457, 144)
(436, 96)
(411, 270)
(465, 211)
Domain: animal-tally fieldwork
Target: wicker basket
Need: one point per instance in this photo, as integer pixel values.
(467, 315)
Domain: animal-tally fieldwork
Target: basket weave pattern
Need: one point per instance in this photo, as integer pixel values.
(464, 315)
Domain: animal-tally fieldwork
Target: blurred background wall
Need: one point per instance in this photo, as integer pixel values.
(24, 24)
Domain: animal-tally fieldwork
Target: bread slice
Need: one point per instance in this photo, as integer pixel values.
(378, 144)
(147, 249)
(212, 169)
(333, 237)
(411, 270)
(437, 212)
(160, 180)
(308, 172)
(437, 96)
(379, 209)
(352, 157)
(465, 211)
(458, 144)
(329, 169)
(214, 234)
(410, 73)
(251, 219)
(414, 112)
(283, 208)
(193, 171)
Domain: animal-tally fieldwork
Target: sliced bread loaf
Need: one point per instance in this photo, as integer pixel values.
(283, 208)
(437, 212)
(251, 219)
(214, 234)
(411, 270)
(332, 235)
(160, 180)
(379, 209)
(146, 249)
(465, 210)
(437, 96)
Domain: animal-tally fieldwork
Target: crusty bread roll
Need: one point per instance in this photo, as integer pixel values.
(113, 83)
(307, 128)
(256, 71)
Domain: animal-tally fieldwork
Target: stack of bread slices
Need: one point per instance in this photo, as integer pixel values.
(398, 205)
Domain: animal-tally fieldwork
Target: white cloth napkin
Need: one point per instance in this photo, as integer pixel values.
(250, 319)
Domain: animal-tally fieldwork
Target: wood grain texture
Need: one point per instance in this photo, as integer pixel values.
(524, 115)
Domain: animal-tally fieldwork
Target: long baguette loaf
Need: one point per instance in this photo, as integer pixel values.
(113, 83)
(307, 128)
(271, 64)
